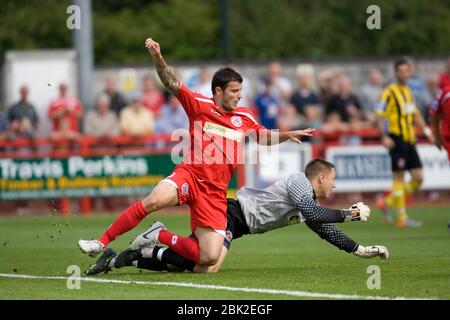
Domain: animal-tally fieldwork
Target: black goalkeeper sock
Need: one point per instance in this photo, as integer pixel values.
(151, 264)
(169, 256)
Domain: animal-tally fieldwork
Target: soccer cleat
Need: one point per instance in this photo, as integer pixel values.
(126, 258)
(148, 238)
(382, 205)
(408, 223)
(102, 264)
(91, 247)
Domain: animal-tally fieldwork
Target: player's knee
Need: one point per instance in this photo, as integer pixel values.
(209, 258)
(151, 203)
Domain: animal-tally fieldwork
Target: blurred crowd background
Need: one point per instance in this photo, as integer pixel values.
(305, 64)
(327, 99)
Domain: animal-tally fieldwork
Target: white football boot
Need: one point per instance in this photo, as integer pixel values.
(149, 237)
(91, 247)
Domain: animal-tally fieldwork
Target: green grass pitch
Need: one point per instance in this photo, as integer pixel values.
(292, 259)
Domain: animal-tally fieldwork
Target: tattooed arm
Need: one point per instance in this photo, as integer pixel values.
(167, 76)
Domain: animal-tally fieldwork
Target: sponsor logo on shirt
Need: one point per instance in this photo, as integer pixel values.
(236, 121)
(222, 131)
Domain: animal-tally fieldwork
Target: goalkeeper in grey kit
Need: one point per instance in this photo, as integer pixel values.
(288, 201)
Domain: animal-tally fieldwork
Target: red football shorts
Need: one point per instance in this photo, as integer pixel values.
(208, 205)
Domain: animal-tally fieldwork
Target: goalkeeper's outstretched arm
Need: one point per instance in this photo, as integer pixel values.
(336, 237)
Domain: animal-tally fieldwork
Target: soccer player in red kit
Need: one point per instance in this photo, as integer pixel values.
(218, 127)
(440, 119)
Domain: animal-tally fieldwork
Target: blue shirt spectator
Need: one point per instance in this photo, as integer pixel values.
(172, 116)
(268, 107)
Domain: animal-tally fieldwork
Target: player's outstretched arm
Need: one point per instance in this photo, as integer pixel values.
(336, 237)
(271, 137)
(333, 235)
(165, 73)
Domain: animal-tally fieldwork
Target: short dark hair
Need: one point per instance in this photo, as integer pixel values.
(223, 76)
(316, 167)
(400, 62)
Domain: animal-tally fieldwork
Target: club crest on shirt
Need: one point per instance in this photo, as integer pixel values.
(185, 188)
(236, 121)
(229, 235)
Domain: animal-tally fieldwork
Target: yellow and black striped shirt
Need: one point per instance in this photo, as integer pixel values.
(398, 106)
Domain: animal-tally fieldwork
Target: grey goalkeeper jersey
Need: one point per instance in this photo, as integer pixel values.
(291, 200)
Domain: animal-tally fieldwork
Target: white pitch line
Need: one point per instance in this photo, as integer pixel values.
(213, 287)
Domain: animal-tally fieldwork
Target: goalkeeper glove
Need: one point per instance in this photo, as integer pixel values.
(372, 251)
(357, 212)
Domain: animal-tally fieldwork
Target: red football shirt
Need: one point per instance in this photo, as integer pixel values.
(70, 104)
(215, 137)
(441, 108)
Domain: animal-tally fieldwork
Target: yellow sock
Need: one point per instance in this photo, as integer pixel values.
(411, 187)
(398, 200)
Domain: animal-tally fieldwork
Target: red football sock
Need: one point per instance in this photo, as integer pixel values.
(129, 219)
(188, 248)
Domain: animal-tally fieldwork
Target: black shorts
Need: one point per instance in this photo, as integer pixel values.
(236, 224)
(404, 155)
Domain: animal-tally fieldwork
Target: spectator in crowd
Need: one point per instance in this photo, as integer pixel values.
(268, 106)
(281, 86)
(22, 116)
(172, 116)
(152, 97)
(369, 95)
(204, 83)
(328, 82)
(433, 85)
(304, 95)
(65, 112)
(444, 77)
(135, 119)
(118, 101)
(306, 102)
(346, 104)
(4, 128)
(101, 122)
(420, 90)
(290, 119)
(334, 124)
